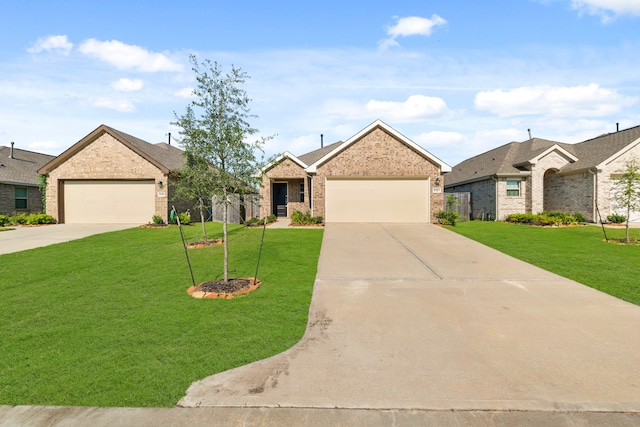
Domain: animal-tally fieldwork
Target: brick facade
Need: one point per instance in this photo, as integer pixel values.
(8, 199)
(106, 159)
(377, 154)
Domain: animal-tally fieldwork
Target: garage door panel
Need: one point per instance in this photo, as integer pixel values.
(377, 200)
(109, 201)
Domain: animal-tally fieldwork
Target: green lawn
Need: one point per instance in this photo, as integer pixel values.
(579, 253)
(106, 320)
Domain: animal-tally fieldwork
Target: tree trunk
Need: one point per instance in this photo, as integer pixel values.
(225, 240)
(202, 219)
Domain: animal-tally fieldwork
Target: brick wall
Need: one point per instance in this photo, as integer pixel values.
(105, 158)
(8, 200)
(377, 154)
(285, 171)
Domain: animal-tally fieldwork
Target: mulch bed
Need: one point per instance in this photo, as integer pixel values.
(224, 290)
(154, 226)
(204, 243)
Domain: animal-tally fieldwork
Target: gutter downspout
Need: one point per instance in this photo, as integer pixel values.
(309, 185)
(495, 197)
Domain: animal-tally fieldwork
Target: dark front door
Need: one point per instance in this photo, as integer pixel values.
(280, 199)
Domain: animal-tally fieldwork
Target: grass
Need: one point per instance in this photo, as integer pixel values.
(106, 321)
(578, 253)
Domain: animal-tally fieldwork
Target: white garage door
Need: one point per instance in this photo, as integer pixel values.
(106, 202)
(377, 200)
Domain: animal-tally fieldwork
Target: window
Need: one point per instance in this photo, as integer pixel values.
(21, 198)
(513, 187)
(302, 191)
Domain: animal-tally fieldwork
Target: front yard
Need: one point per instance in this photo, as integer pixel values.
(106, 320)
(579, 253)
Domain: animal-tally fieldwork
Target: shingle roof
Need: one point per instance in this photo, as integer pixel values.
(499, 161)
(315, 155)
(164, 156)
(505, 160)
(23, 168)
(167, 155)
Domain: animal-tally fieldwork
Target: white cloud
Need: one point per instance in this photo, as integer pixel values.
(45, 146)
(411, 26)
(186, 92)
(605, 8)
(439, 139)
(121, 105)
(415, 107)
(575, 101)
(128, 57)
(127, 85)
(52, 43)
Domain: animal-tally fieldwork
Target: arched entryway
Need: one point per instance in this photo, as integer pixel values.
(552, 196)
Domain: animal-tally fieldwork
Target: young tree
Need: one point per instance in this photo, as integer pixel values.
(625, 193)
(215, 135)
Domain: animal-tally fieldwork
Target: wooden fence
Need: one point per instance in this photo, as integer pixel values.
(241, 208)
(463, 207)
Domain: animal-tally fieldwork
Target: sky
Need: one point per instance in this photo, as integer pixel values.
(456, 77)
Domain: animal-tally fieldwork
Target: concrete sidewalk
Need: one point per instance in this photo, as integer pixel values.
(418, 317)
(23, 238)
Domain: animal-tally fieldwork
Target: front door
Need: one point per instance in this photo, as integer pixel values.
(280, 199)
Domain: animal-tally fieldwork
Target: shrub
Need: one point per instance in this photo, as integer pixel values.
(305, 218)
(157, 219)
(448, 218)
(254, 222)
(184, 218)
(19, 219)
(4, 220)
(616, 218)
(40, 219)
(546, 218)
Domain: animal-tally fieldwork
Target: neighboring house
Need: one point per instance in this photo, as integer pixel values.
(19, 183)
(111, 177)
(539, 175)
(377, 175)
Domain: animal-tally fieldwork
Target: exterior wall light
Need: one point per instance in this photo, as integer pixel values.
(438, 182)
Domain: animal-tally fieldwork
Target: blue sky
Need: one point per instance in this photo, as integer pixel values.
(457, 77)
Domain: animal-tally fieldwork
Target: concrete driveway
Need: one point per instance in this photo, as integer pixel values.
(23, 238)
(417, 317)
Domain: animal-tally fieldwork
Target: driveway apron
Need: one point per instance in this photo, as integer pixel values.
(414, 316)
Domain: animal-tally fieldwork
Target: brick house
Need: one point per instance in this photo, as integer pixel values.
(19, 182)
(377, 175)
(541, 175)
(111, 177)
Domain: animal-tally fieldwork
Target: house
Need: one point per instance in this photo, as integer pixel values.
(19, 181)
(377, 175)
(540, 175)
(111, 177)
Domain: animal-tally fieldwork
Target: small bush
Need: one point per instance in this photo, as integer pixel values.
(255, 222)
(305, 218)
(616, 218)
(157, 219)
(40, 219)
(4, 220)
(546, 218)
(19, 219)
(184, 218)
(448, 218)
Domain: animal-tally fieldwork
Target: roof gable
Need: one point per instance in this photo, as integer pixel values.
(339, 147)
(280, 158)
(163, 156)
